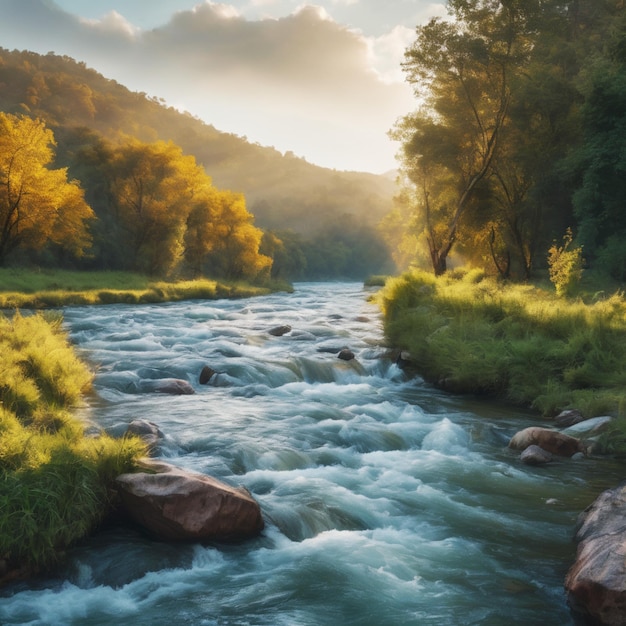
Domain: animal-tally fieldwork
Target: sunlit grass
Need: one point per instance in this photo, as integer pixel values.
(20, 288)
(54, 480)
(471, 334)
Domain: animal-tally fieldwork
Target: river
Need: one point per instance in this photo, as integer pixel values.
(386, 502)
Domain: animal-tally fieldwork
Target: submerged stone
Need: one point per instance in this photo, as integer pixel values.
(534, 455)
(148, 431)
(172, 386)
(279, 331)
(206, 374)
(346, 354)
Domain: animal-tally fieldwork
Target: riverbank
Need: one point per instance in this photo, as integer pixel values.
(39, 289)
(471, 335)
(55, 477)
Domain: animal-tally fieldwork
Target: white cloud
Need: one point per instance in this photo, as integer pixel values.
(113, 23)
(302, 82)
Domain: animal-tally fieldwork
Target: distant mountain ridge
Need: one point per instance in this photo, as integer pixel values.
(284, 192)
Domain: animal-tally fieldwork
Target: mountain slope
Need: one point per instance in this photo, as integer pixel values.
(282, 191)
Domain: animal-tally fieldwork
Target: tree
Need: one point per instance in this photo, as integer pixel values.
(461, 71)
(153, 187)
(38, 205)
(224, 239)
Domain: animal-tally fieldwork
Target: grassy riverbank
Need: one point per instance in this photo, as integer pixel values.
(20, 288)
(469, 334)
(54, 478)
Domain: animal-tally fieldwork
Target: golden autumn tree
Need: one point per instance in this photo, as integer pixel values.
(153, 187)
(38, 205)
(222, 238)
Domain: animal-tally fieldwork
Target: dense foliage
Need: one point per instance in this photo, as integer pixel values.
(55, 479)
(519, 135)
(97, 123)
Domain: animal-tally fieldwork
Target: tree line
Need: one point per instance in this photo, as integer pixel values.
(139, 206)
(518, 139)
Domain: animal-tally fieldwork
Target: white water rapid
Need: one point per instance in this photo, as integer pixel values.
(386, 502)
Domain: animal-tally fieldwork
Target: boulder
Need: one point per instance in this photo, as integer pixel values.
(172, 386)
(206, 374)
(534, 455)
(148, 431)
(345, 354)
(174, 504)
(569, 417)
(552, 441)
(279, 331)
(596, 583)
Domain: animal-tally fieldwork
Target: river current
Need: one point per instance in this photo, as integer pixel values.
(386, 502)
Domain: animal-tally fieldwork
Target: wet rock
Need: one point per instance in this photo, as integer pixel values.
(590, 426)
(174, 504)
(596, 583)
(148, 431)
(206, 374)
(279, 331)
(534, 455)
(345, 354)
(173, 386)
(568, 417)
(552, 441)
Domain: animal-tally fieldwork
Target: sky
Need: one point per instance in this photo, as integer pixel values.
(322, 80)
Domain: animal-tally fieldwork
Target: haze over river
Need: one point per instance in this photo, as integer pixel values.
(386, 502)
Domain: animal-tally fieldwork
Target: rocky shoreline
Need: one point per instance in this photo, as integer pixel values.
(596, 583)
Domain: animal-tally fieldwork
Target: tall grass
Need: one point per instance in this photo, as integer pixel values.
(471, 334)
(54, 480)
(20, 288)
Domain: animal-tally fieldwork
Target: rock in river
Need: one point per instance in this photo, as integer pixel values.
(174, 504)
(550, 440)
(596, 583)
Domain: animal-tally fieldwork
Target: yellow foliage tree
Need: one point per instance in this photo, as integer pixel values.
(222, 237)
(38, 205)
(154, 187)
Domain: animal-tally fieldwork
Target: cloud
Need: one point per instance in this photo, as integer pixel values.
(113, 23)
(301, 82)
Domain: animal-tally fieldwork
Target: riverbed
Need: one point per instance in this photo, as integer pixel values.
(386, 502)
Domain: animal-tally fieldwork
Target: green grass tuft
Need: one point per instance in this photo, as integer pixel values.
(54, 480)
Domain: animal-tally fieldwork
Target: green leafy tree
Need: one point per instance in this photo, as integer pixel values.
(38, 204)
(461, 70)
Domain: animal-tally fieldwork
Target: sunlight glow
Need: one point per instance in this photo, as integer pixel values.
(113, 22)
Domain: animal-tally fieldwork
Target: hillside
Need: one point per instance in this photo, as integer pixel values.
(284, 192)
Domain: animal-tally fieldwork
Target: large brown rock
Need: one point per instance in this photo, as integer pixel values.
(177, 505)
(552, 441)
(596, 583)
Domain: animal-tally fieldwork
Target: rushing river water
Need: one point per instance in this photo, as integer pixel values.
(386, 502)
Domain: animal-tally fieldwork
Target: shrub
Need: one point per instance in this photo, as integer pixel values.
(565, 265)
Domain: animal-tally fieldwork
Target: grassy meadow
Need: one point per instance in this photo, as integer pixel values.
(54, 478)
(521, 343)
(39, 289)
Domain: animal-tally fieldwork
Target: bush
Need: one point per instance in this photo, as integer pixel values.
(565, 265)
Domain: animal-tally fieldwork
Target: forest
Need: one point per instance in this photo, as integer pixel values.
(158, 191)
(515, 156)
